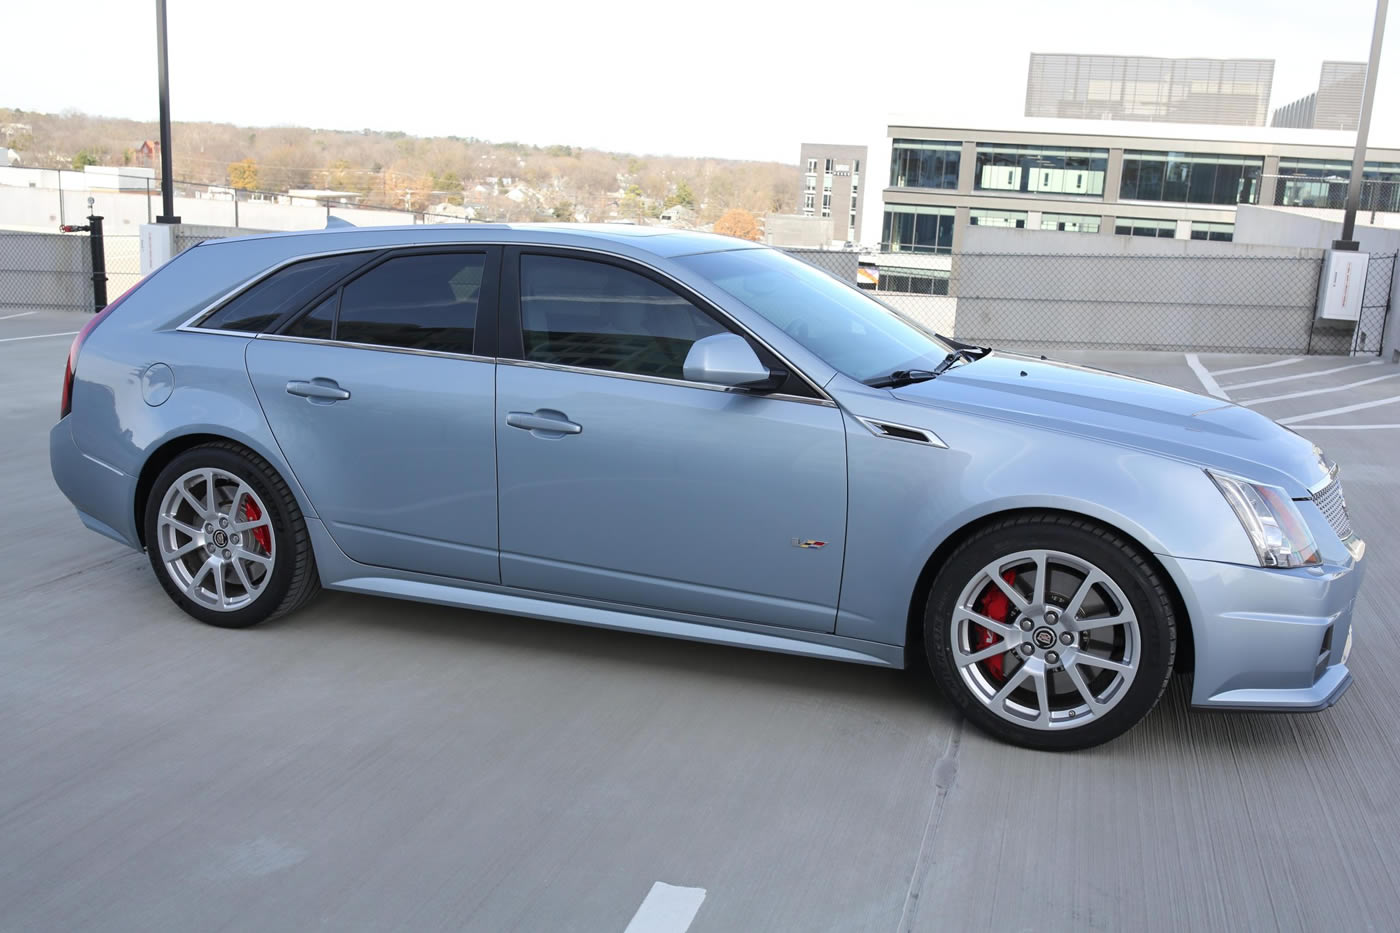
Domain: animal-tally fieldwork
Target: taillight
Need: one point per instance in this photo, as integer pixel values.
(70, 370)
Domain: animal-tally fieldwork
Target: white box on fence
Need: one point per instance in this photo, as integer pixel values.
(1342, 285)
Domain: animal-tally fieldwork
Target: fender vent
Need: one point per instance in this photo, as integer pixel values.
(902, 432)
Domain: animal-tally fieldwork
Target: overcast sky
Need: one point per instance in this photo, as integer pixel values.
(745, 79)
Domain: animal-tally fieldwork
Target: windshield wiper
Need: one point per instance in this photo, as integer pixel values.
(904, 377)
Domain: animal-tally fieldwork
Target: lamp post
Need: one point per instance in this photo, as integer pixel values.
(167, 181)
(1363, 127)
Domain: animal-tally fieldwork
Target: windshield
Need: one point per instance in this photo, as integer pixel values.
(850, 331)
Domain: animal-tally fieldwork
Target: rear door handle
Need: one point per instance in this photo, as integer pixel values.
(546, 422)
(318, 389)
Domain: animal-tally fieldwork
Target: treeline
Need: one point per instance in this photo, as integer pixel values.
(398, 170)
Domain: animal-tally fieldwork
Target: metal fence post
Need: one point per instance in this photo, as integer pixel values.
(99, 263)
(235, 207)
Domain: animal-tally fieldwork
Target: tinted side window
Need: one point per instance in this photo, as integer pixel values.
(319, 322)
(285, 290)
(419, 302)
(576, 312)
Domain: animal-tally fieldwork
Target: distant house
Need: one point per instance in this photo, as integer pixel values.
(148, 153)
(678, 215)
(11, 157)
(317, 197)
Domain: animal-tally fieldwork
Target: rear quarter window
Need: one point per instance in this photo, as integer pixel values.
(288, 289)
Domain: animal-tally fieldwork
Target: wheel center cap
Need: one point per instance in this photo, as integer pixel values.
(221, 540)
(1044, 637)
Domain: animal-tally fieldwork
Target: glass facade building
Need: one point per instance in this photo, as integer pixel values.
(1323, 183)
(1040, 169)
(1203, 230)
(1145, 226)
(985, 218)
(1071, 223)
(924, 163)
(1190, 177)
(917, 229)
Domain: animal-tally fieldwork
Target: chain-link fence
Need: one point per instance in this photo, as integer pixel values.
(45, 271)
(1330, 191)
(1375, 303)
(1207, 303)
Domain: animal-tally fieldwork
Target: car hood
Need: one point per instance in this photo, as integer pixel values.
(1126, 411)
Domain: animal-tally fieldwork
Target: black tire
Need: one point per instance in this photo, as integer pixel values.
(292, 581)
(1134, 573)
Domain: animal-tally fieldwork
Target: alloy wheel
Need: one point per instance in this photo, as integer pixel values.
(216, 540)
(1045, 639)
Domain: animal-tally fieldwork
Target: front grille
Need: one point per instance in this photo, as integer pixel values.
(1333, 506)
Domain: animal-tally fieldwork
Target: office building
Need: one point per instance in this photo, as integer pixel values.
(831, 187)
(1218, 91)
(1335, 105)
(1083, 177)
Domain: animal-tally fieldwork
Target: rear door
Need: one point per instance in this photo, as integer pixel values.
(381, 397)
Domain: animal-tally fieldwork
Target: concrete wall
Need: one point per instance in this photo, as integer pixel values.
(1046, 288)
(48, 271)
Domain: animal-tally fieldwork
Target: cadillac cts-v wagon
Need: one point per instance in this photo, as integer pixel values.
(694, 436)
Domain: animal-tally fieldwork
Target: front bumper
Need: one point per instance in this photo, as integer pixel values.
(1266, 639)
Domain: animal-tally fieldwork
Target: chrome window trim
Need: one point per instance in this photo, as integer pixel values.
(413, 351)
(665, 380)
(191, 325)
(873, 426)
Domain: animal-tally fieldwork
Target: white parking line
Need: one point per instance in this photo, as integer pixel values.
(1338, 411)
(666, 909)
(1349, 385)
(1240, 369)
(66, 333)
(1308, 375)
(1206, 378)
(1345, 427)
(6, 317)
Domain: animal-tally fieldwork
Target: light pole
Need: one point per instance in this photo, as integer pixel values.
(1358, 160)
(167, 181)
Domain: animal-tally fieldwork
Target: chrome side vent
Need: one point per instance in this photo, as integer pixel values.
(901, 432)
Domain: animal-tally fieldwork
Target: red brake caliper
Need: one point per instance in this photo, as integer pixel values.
(261, 534)
(997, 607)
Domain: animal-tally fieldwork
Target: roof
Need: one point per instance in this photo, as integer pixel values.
(664, 242)
(1054, 126)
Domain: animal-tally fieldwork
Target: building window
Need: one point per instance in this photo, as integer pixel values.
(826, 183)
(983, 218)
(811, 183)
(826, 200)
(1201, 230)
(912, 281)
(1190, 177)
(809, 201)
(1070, 223)
(1041, 170)
(1323, 183)
(830, 166)
(855, 166)
(924, 163)
(826, 212)
(811, 166)
(1142, 226)
(917, 229)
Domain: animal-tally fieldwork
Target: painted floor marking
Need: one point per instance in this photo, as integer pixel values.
(66, 333)
(667, 909)
(6, 317)
(1206, 378)
(1240, 369)
(1345, 427)
(1349, 385)
(1308, 375)
(1339, 411)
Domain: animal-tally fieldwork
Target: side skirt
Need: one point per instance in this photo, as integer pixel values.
(339, 572)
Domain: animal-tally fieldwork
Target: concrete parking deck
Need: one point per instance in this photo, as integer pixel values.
(368, 764)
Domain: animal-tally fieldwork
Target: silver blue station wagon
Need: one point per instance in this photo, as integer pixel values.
(694, 436)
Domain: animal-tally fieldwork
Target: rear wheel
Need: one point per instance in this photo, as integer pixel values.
(226, 539)
(1051, 632)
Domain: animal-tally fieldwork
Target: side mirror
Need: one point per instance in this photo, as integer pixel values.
(728, 360)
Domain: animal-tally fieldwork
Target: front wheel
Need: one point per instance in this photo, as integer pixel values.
(1050, 631)
(226, 539)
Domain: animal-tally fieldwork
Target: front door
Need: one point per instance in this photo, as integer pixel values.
(386, 415)
(620, 481)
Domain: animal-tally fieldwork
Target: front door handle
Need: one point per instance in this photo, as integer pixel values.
(546, 422)
(318, 389)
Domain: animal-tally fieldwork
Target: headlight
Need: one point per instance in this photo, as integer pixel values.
(1273, 523)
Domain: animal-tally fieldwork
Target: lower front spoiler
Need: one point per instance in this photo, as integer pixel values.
(1327, 691)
